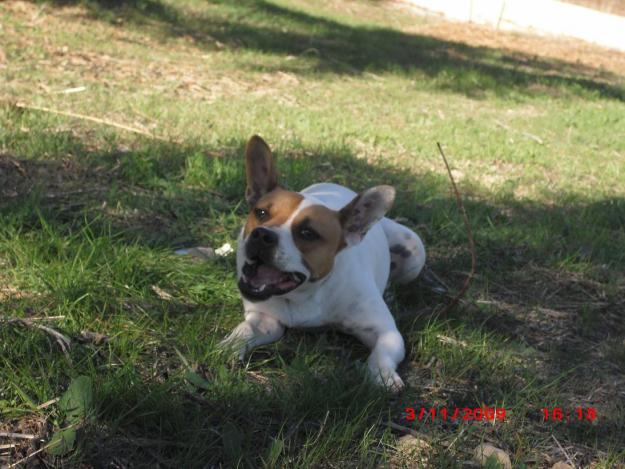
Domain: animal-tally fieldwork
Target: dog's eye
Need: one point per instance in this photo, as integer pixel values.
(308, 234)
(261, 214)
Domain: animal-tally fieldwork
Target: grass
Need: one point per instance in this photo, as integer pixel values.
(352, 92)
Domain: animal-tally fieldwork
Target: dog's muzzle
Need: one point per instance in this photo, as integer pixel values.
(260, 279)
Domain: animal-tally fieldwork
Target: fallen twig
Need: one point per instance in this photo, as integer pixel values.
(566, 455)
(27, 458)
(529, 135)
(467, 224)
(92, 119)
(406, 430)
(32, 319)
(62, 340)
(18, 436)
(49, 403)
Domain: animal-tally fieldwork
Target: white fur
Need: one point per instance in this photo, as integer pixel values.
(349, 297)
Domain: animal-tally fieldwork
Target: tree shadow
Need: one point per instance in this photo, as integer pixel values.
(333, 47)
(531, 256)
(546, 274)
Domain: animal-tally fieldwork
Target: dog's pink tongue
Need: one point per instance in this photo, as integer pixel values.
(266, 275)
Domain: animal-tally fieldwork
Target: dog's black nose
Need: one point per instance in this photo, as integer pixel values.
(263, 238)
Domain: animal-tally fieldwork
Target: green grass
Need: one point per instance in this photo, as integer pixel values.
(91, 215)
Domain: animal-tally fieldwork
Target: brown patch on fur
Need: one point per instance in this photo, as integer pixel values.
(279, 204)
(400, 250)
(318, 255)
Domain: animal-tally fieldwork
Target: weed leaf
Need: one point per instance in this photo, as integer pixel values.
(232, 441)
(77, 402)
(62, 442)
(197, 381)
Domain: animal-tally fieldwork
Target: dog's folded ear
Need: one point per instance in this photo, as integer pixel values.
(260, 170)
(364, 211)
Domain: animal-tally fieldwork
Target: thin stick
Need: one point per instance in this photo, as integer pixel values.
(63, 341)
(92, 119)
(27, 458)
(18, 436)
(49, 403)
(568, 458)
(37, 318)
(406, 430)
(467, 224)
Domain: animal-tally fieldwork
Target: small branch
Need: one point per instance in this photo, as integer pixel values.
(467, 224)
(406, 430)
(62, 340)
(533, 137)
(27, 458)
(48, 403)
(18, 436)
(566, 455)
(33, 319)
(91, 119)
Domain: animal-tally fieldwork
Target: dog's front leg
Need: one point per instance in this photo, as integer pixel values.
(375, 327)
(387, 353)
(257, 329)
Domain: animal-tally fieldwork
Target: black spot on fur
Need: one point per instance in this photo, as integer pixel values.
(400, 250)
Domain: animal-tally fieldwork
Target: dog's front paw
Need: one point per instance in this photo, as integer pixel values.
(233, 347)
(390, 380)
(236, 344)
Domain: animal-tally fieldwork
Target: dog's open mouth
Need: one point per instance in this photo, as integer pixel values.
(261, 281)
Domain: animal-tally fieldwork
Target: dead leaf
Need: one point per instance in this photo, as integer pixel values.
(485, 453)
(562, 465)
(199, 252)
(162, 294)
(95, 338)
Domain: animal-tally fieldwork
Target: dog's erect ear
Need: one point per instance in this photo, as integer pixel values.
(364, 211)
(260, 170)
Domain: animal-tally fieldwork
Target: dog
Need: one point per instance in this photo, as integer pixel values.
(321, 257)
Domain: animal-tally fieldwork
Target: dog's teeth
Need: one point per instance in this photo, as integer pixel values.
(262, 287)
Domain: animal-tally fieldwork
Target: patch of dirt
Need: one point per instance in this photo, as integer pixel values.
(20, 438)
(582, 57)
(570, 321)
(615, 7)
(184, 73)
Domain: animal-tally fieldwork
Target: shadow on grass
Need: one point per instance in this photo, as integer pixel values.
(550, 258)
(546, 274)
(338, 48)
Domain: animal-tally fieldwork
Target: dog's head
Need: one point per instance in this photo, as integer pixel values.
(290, 240)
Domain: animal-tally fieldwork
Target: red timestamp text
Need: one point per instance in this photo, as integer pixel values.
(457, 413)
(558, 414)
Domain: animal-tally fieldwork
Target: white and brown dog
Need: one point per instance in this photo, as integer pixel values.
(321, 257)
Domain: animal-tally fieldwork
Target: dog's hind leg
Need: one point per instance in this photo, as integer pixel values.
(407, 251)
